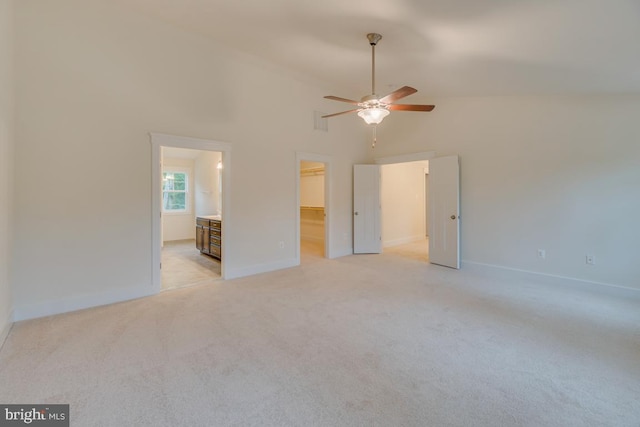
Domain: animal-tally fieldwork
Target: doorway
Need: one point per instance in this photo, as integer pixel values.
(405, 215)
(313, 210)
(443, 199)
(191, 184)
(218, 196)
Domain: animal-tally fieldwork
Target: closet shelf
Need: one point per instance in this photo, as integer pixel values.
(312, 208)
(312, 171)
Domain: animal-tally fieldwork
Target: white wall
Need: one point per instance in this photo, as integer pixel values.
(403, 205)
(180, 225)
(207, 185)
(6, 163)
(88, 96)
(554, 173)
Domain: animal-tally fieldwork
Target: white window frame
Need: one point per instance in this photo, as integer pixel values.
(187, 191)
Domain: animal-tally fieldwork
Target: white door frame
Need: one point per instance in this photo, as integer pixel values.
(159, 140)
(426, 202)
(405, 158)
(320, 158)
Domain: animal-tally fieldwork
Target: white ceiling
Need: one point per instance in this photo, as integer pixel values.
(440, 47)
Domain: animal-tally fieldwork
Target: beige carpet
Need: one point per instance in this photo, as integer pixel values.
(418, 250)
(367, 340)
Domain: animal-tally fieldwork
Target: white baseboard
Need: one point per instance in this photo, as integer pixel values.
(547, 279)
(260, 268)
(6, 327)
(402, 241)
(73, 303)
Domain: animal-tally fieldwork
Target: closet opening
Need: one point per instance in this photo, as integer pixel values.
(313, 210)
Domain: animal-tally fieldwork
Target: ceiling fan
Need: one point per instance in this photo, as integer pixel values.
(372, 108)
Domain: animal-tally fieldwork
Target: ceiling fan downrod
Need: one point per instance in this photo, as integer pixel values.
(374, 38)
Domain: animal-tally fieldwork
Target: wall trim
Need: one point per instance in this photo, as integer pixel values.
(261, 268)
(548, 279)
(81, 302)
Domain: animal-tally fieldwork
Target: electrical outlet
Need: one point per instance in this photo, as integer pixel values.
(590, 259)
(542, 253)
(281, 244)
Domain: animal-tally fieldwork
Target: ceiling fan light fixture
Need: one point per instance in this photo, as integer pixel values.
(372, 108)
(373, 115)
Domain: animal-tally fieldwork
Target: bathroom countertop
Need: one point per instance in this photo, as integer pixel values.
(217, 217)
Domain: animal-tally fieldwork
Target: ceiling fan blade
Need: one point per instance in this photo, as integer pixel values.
(398, 94)
(337, 98)
(407, 107)
(337, 114)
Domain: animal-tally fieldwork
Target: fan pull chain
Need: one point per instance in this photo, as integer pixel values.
(373, 145)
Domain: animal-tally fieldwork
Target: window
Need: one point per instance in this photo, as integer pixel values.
(175, 186)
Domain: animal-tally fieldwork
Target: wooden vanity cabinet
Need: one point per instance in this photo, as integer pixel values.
(209, 236)
(199, 238)
(215, 238)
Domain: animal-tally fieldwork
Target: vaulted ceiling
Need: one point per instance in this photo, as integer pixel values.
(440, 47)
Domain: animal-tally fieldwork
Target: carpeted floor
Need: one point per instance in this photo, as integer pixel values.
(418, 250)
(365, 340)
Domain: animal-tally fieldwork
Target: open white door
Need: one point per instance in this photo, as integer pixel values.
(444, 211)
(367, 236)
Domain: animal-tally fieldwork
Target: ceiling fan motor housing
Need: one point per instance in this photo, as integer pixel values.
(370, 99)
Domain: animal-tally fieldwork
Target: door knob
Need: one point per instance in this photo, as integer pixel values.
(452, 217)
(355, 213)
